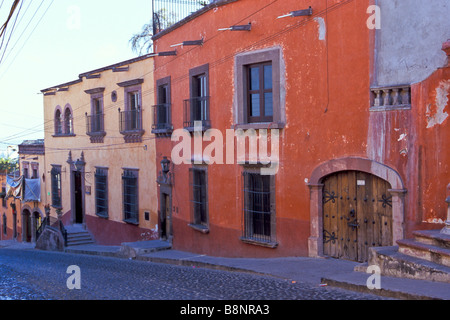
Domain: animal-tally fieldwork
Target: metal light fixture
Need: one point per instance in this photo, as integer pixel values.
(165, 163)
(79, 165)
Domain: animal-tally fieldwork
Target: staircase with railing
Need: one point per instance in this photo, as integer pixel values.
(56, 224)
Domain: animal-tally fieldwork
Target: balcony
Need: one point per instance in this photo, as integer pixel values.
(196, 110)
(130, 123)
(162, 122)
(166, 13)
(95, 127)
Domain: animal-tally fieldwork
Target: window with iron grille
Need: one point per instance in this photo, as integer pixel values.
(199, 197)
(130, 196)
(259, 207)
(56, 186)
(101, 192)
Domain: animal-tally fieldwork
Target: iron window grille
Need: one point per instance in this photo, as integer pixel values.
(101, 192)
(259, 203)
(198, 197)
(56, 186)
(130, 196)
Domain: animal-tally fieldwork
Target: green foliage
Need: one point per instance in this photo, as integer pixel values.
(141, 43)
(8, 165)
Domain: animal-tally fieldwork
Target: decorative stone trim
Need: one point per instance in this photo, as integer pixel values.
(130, 83)
(199, 227)
(97, 137)
(133, 136)
(391, 98)
(271, 245)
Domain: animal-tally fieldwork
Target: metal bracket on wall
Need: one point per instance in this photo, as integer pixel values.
(245, 27)
(298, 13)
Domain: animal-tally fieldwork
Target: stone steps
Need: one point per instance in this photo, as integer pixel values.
(77, 236)
(425, 257)
(428, 245)
(392, 263)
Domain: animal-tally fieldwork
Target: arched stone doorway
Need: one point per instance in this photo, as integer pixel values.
(31, 221)
(358, 165)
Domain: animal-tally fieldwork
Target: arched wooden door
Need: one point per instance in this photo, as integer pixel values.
(357, 215)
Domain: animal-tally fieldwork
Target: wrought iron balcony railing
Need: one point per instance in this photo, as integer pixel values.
(162, 121)
(168, 12)
(130, 120)
(95, 124)
(196, 110)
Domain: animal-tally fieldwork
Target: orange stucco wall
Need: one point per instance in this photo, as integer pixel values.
(327, 82)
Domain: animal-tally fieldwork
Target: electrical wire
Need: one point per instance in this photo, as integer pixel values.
(29, 22)
(48, 125)
(29, 36)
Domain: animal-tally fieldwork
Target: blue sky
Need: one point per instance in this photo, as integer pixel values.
(74, 36)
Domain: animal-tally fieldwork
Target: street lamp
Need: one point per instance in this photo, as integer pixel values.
(165, 163)
(79, 165)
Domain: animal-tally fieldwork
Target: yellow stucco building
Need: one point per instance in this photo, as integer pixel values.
(100, 173)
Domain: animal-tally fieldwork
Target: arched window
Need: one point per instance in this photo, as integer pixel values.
(58, 122)
(68, 121)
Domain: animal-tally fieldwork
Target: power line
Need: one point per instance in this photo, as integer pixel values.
(29, 36)
(29, 22)
(48, 125)
(11, 33)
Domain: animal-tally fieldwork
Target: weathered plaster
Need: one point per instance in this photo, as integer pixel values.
(410, 40)
(322, 28)
(438, 116)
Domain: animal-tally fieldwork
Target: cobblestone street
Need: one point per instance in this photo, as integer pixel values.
(40, 275)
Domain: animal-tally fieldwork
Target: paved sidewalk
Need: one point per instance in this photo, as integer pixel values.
(316, 271)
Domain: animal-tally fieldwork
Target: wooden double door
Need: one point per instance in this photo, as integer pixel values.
(357, 215)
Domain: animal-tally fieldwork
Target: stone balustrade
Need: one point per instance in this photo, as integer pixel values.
(392, 97)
